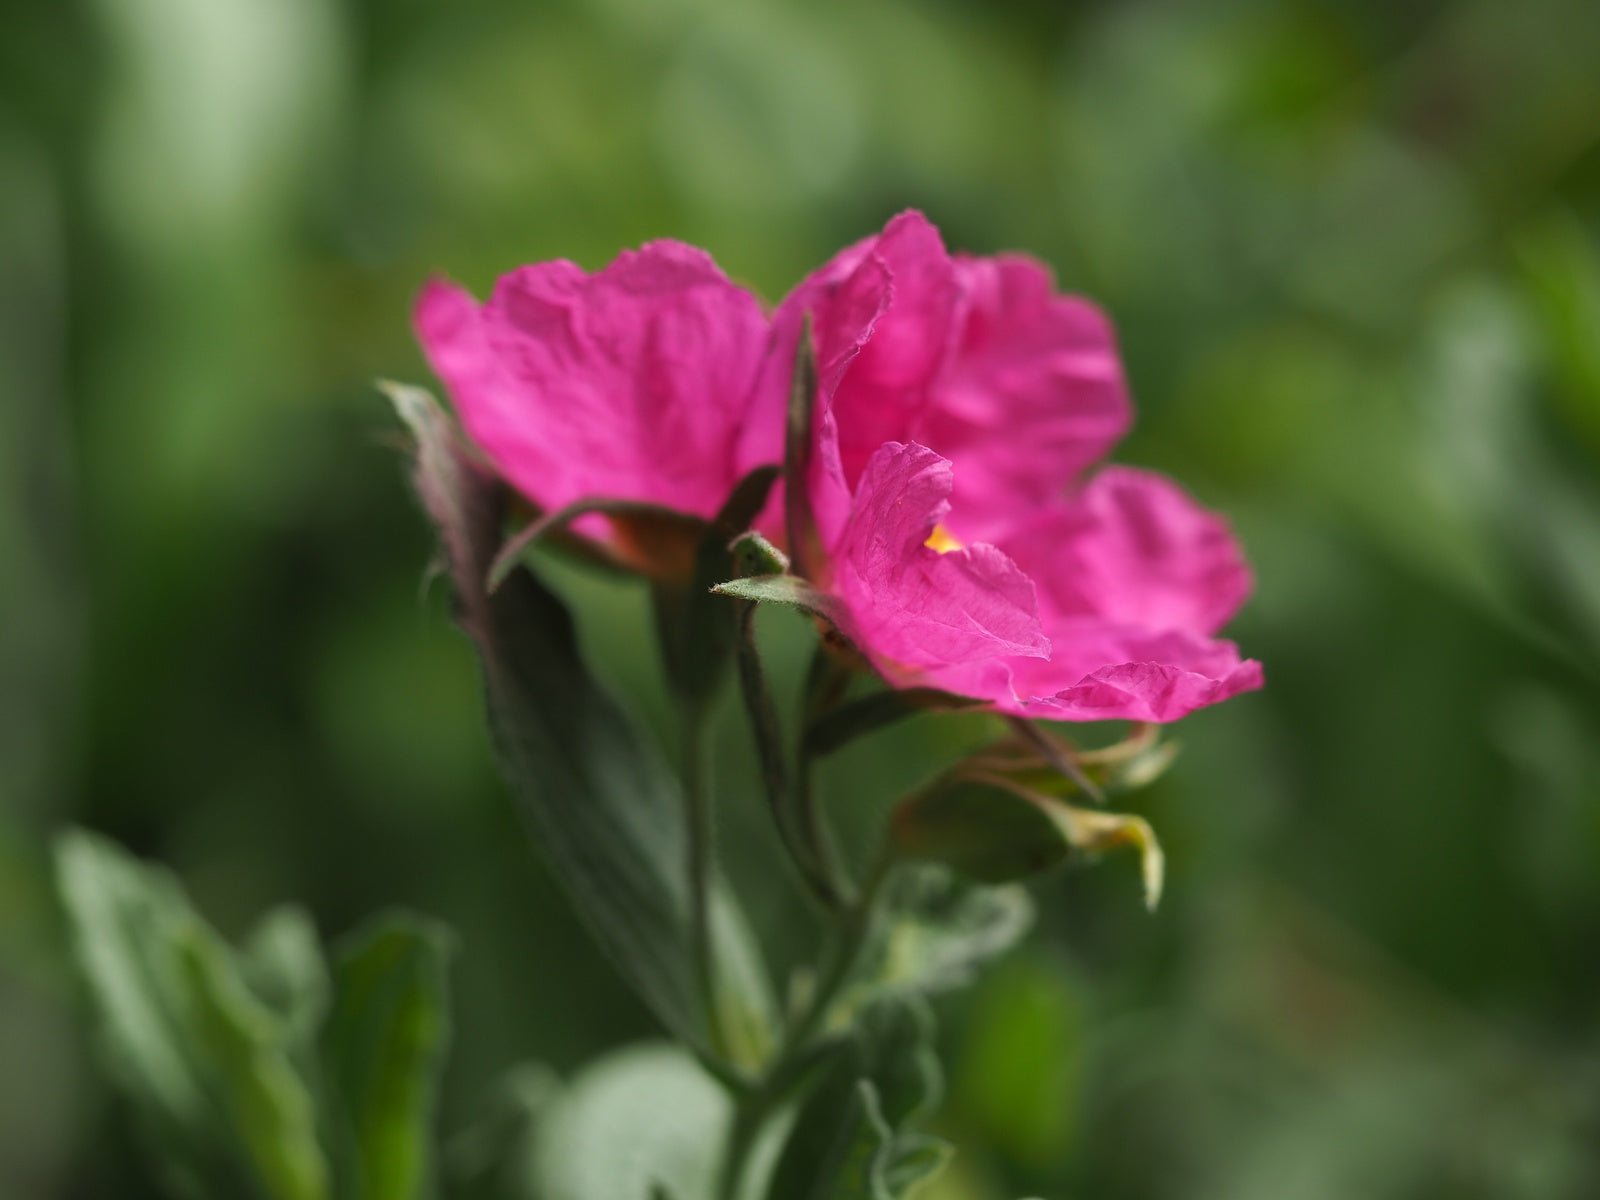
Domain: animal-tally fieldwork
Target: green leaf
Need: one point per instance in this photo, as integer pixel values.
(853, 1137)
(913, 1159)
(940, 930)
(754, 555)
(495, 1157)
(600, 803)
(898, 1032)
(1020, 1070)
(641, 1119)
(992, 829)
(554, 524)
(783, 589)
(205, 1064)
(265, 1100)
(837, 1143)
(384, 1049)
(283, 965)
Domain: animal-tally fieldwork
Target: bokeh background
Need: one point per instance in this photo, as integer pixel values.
(1353, 252)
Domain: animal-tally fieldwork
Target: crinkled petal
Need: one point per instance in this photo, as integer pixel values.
(844, 300)
(1134, 549)
(883, 396)
(912, 607)
(632, 383)
(1033, 391)
(1160, 678)
(1097, 672)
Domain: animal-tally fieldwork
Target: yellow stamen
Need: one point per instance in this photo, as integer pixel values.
(941, 540)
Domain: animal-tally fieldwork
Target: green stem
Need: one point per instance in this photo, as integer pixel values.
(825, 685)
(756, 1105)
(698, 862)
(802, 1048)
(840, 959)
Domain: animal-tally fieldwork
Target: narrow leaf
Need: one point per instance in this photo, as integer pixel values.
(282, 963)
(384, 1049)
(782, 589)
(265, 1101)
(598, 800)
(204, 1063)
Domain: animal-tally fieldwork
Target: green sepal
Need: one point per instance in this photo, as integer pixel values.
(840, 726)
(1135, 762)
(800, 522)
(697, 630)
(990, 828)
(669, 526)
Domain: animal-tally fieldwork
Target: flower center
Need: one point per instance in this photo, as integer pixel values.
(942, 541)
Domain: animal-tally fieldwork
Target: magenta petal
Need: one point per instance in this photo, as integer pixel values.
(884, 394)
(844, 300)
(1097, 672)
(1148, 691)
(912, 607)
(1033, 391)
(631, 383)
(1134, 549)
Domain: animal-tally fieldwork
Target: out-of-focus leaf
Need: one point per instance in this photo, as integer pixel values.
(1018, 1076)
(940, 930)
(854, 1136)
(839, 1146)
(898, 1032)
(283, 964)
(495, 1157)
(601, 805)
(205, 1064)
(642, 1118)
(384, 1048)
(1562, 268)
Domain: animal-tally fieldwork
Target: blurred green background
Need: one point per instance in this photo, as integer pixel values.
(1353, 250)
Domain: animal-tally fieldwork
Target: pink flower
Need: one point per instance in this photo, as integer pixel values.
(629, 384)
(960, 401)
